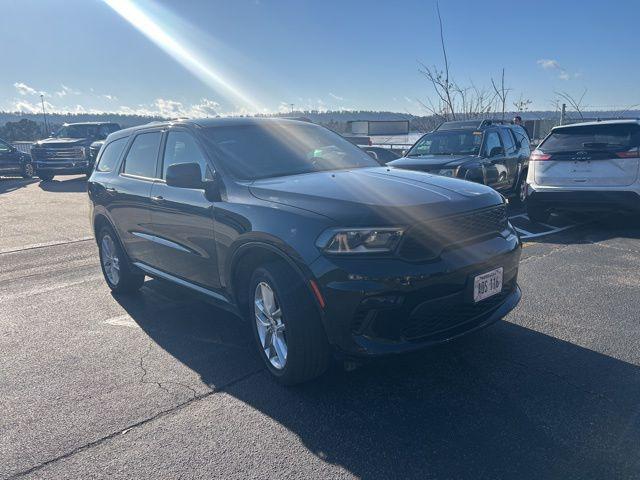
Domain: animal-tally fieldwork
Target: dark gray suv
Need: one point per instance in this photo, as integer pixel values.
(322, 250)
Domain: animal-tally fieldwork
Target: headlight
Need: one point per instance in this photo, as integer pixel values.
(359, 240)
(447, 172)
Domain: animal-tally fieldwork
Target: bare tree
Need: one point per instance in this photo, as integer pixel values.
(575, 103)
(501, 93)
(522, 104)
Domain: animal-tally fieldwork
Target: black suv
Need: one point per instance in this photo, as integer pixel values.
(303, 234)
(489, 152)
(14, 162)
(67, 152)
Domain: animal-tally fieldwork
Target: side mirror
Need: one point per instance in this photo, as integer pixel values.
(184, 175)
(495, 151)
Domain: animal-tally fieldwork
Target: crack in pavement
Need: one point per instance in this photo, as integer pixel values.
(45, 245)
(141, 423)
(161, 384)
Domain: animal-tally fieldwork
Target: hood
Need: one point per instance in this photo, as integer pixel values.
(431, 162)
(62, 142)
(376, 196)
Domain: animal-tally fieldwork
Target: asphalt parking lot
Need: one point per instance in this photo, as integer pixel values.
(162, 385)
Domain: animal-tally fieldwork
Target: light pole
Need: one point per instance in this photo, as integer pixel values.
(44, 116)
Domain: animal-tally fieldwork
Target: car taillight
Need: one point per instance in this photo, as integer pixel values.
(537, 155)
(635, 153)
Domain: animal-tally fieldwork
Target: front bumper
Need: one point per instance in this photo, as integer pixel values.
(68, 167)
(390, 306)
(586, 200)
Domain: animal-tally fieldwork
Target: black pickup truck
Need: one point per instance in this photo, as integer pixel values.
(68, 152)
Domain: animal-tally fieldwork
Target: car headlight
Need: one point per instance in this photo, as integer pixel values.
(447, 172)
(359, 240)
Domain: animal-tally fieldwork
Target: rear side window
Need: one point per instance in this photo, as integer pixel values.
(111, 154)
(143, 154)
(593, 137)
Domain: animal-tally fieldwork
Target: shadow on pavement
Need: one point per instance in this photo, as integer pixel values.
(507, 402)
(10, 184)
(77, 184)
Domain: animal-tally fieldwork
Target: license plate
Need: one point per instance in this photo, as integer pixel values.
(487, 284)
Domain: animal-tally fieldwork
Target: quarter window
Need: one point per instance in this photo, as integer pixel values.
(181, 147)
(110, 155)
(142, 156)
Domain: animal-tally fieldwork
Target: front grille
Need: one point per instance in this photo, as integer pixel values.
(46, 154)
(443, 314)
(427, 241)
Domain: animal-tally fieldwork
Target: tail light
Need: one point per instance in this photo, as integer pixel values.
(538, 155)
(634, 153)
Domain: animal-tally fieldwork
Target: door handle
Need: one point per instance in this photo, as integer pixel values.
(111, 190)
(157, 198)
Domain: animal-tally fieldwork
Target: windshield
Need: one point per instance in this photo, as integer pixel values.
(592, 137)
(86, 131)
(448, 143)
(273, 149)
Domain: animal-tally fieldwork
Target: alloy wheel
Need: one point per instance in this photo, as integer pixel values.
(110, 260)
(28, 170)
(270, 325)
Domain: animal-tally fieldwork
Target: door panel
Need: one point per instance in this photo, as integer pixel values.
(182, 218)
(184, 243)
(9, 158)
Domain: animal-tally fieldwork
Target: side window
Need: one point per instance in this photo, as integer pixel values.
(522, 139)
(490, 142)
(111, 154)
(182, 148)
(143, 154)
(507, 140)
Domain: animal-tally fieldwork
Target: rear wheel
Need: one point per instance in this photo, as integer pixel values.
(286, 325)
(520, 192)
(45, 177)
(537, 213)
(116, 268)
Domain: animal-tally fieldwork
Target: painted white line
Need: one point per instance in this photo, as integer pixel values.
(551, 232)
(523, 231)
(122, 321)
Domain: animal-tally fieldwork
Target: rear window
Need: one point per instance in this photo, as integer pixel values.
(593, 137)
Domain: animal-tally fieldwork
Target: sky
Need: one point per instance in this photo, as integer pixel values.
(202, 58)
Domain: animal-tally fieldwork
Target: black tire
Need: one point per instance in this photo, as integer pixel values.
(520, 192)
(537, 213)
(27, 170)
(128, 280)
(308, 353)
(46, 177)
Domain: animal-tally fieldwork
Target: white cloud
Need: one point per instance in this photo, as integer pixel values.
(332, 95)
(24, 90)
(67, 91)
(548, 63)
(22, 105)
(111, 98)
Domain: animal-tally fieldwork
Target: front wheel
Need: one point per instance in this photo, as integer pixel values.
(286, 325)
(27, 170)
(115, 265)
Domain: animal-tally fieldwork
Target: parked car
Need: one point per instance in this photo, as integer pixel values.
(94, 148)
(14, 162)
(488, 152)
(586, 166)
(67, 152)
(381, 154)
(303, 234)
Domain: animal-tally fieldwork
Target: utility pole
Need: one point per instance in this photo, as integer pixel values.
(44, 116)
(291, 106)
(563, 113)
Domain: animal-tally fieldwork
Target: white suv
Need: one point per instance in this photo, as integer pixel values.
(585, 166)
